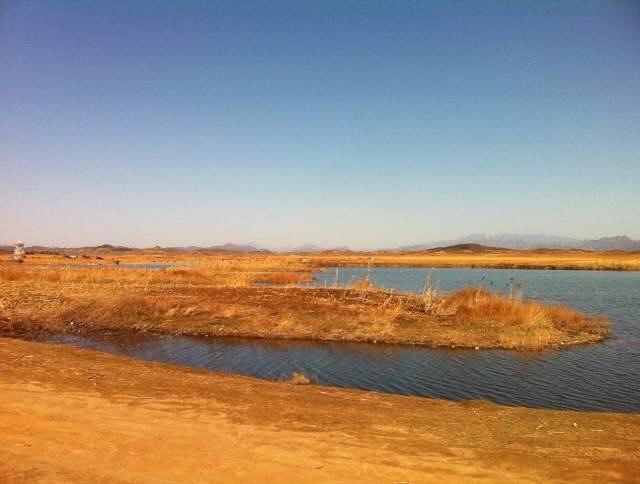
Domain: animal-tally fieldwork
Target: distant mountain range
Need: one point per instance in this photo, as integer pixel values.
(228, 247)
(533, 241)
(43, 248)
(469, 243)
(250, 247)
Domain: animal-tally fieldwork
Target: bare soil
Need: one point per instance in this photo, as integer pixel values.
(82, 416)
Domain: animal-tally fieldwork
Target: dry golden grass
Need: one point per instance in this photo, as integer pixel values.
(267, 262)
(219, 273)
(503, 259)
(298, 379)
(284, 278)
(363, 283)
(523, 324)
(220, 298)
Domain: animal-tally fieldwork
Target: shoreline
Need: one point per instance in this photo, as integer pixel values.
(35, 335)
(125, 345)
(62, 406)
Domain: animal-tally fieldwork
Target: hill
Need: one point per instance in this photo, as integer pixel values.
(532, 242)
(469, 248)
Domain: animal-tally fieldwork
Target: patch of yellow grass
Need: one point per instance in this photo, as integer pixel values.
(298, 379)
(222, 300)
(519, 324)
(283, 278)
(268, 262)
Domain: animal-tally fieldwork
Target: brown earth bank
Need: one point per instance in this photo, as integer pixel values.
(83, 416)
(198, 302)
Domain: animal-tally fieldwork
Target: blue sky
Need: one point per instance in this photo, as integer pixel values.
(360, 123)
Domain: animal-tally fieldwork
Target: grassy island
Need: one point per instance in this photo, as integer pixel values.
(243, 298)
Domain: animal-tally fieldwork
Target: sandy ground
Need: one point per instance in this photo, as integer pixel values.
(78, 415)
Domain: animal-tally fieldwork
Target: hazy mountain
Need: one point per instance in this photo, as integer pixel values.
(618, 242)
(307, 248)
(304, 248)
(473, 248)
(509, 241)
(341, 248)
(44, 248)
(532, 241)
(109, 248)
(472, 242)
(229, 247)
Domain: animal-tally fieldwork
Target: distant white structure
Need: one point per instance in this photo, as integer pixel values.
(18, 251)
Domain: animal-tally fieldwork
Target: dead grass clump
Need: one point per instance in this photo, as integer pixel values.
(284, 278)
(521, 324)
(252, 263)
(364, 283)
(473, 304)
(298, 379)
(127, 310)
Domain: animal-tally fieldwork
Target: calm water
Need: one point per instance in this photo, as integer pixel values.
(604, 376)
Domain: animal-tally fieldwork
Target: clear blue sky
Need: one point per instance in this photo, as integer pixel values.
(360, 123)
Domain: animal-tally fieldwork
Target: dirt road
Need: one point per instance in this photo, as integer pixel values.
(77, 415)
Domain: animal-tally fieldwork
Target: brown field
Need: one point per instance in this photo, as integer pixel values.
(502, 259)
(70, 415)
(497, 259)
(218, 298)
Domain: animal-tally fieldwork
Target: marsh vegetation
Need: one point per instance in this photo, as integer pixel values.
(219, 297)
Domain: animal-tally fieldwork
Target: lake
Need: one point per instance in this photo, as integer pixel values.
(604, 376)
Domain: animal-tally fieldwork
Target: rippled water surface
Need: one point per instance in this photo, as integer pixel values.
(604, 376)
